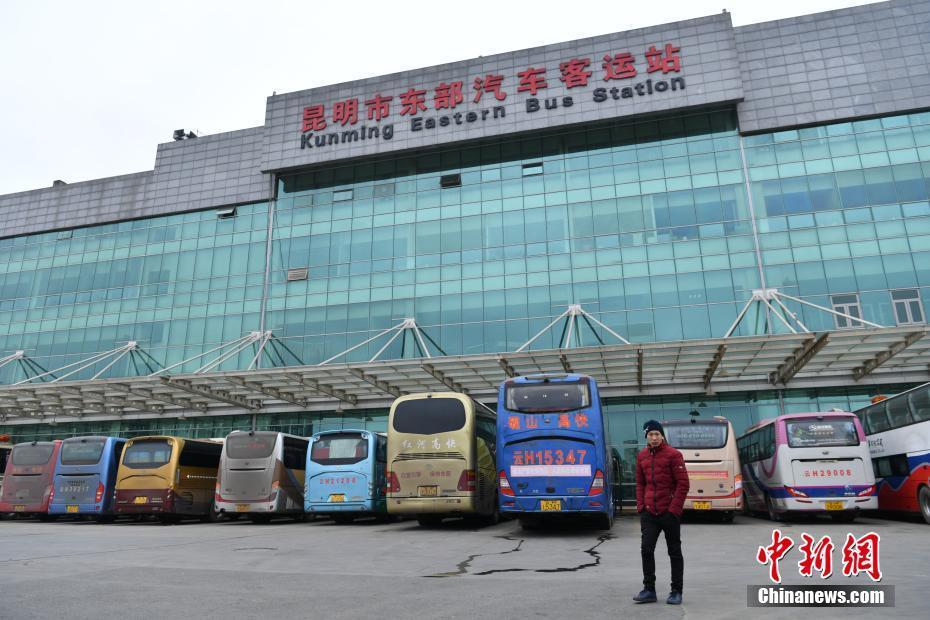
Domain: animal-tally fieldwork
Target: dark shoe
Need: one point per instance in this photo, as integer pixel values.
(674, 598)
(646, 596)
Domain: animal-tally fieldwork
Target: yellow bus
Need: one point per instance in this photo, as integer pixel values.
(709, 449)
(441, 458)
(169, 477)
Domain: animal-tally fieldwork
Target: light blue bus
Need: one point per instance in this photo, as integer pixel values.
(85, 477)
(345, 475)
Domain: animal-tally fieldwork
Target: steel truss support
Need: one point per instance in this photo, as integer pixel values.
(799, 359)
(713, 366)
(507, 368)
(152, 395)
(398, 331)
(773, 302)
(324, 389)
(268, 391)
(384, 386)
(870, 366)
(573, 317)
(109, 357)
(216, 395)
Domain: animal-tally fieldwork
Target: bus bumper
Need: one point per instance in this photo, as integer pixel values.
(431, 505)
(82, 509)
(331, 507)
(568, 503)
(716, 503)
(819, 504)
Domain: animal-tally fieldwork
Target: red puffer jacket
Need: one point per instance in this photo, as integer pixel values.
(661, 480)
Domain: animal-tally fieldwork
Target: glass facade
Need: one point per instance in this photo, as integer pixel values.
(660, 228)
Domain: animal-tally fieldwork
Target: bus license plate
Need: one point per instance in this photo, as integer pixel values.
(19, 508)
(701, 505)
(550, 505)
(337, 498)
(834, 505)
(140, 500)
(72, 508)
(431, 491)
(242, 507)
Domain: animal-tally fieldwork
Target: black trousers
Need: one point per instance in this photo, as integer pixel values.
(650, 526)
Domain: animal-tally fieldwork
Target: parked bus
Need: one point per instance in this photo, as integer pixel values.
(169, 477)
(85, 477)
(262, 475)
(709, 449)
(5, 449)
(807, 462)
(346, 474)
(553, 452)
(898, 431)
(441, 458)
(27, 481)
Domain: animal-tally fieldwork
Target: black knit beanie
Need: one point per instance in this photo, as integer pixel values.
(653, 425)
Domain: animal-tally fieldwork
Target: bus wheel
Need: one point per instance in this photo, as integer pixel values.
(770, 507)
(727, 516)
(923, 500)
(604, 521)
(429, 520)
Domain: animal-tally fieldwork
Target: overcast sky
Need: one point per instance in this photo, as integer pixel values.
(88, 89)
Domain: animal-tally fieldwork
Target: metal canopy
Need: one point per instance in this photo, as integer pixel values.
(802, 360)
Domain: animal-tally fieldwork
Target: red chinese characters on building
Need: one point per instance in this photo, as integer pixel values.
(860, 555)
(531, 80)
(817, 557)
(412, 102)
(491, 83)
(314, 118)
(619, 66)
(378, 107)
(773, 553)
(345, 112)
(448, 95)
(666, 61)
(574, 72)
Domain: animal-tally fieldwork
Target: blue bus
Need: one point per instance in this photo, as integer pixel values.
(346, 475)
(552, 449)
(85, 477)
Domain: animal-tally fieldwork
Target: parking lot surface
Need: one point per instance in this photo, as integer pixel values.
(318, 569)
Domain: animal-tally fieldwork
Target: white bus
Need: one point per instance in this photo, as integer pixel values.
(898, 429)
(807, 462)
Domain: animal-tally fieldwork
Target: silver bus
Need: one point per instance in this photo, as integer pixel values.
(262, 475)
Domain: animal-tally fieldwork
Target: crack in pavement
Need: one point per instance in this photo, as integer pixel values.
(462, 567)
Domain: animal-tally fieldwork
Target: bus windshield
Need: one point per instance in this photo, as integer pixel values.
(250, 446)
(695, 436)
(342, 449)
(429, 416)
(547, 397)
(147, 454)
(82, 451)
(29, 454)
(826, 432)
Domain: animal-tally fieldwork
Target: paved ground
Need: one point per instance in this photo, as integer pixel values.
(399, 570)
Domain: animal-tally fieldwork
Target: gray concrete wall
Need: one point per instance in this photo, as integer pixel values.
(831, 66)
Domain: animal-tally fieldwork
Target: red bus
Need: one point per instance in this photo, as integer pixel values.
(27, 483)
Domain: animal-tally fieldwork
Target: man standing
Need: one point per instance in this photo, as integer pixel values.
(661, 487)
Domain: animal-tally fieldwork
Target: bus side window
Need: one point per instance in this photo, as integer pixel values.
(920, 404)
(899, 466)
(295, 453)
(878, 422)
(882, 467)
(898, 414)
(200, 455)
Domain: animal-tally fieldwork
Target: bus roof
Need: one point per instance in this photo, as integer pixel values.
(795, 416)
(543, 377)
(921, 386)
(348, 430)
